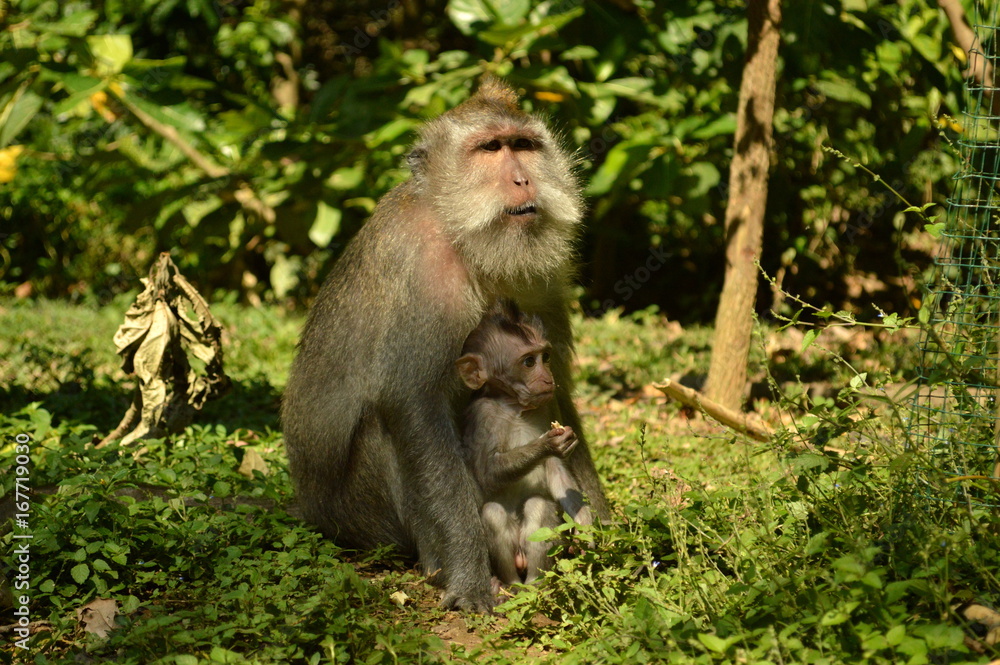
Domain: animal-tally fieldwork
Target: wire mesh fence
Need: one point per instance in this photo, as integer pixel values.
(955, 425)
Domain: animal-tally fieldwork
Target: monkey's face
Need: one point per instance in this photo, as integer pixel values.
(507, 162)
(484, 171)
(530, 377)
(519, 188)
(501, 187)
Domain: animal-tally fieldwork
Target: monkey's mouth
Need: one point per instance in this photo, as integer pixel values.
(524, 212)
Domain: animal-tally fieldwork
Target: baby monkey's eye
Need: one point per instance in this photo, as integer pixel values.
(523, 144)
(529, 361)
(491, 146)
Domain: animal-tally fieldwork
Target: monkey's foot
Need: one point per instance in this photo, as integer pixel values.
(495, 587)
(454, 600)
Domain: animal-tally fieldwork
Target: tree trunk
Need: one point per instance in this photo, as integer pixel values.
(727, 375)
(980, 67)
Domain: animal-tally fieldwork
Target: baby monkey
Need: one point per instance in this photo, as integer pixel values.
(515, 452)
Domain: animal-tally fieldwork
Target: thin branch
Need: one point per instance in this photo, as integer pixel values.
(172, 135)
(245, 196)
(737, 421)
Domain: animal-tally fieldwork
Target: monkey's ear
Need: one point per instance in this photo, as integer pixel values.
(416, 159)
(471, 369)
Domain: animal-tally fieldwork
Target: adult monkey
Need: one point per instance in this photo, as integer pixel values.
(370, 409)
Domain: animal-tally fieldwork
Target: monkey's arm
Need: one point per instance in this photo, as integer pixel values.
(565, 490)
(497, 464)
(505, 467)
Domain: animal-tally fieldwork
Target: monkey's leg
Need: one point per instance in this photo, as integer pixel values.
(503, 539)
(349, 483)
(538, 512)
(441, 505)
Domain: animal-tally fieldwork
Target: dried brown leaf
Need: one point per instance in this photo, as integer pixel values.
(98, 616)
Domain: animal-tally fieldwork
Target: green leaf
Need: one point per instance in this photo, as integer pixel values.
(347, 177)
(935, 229)
(73, 25)
(895, 635)
(889, 57)
(872, 579)
(75, 83)
(858, 380)
(80, 573)
(17, 115)
(581, 52)
(111, 53)
(807, 461)
(722, 126)
(541, 535)
(609, 172)
(325, 225)
(817, 543)
(808, 420)
(706, 177)
(809, 338)
(225, 656)
(472, 16)
(195, 211)
(70, 103)
(512, 34)
(389, 132)
(180, 117)
(177, 62)
(713, 642)
(941, 636)
(285, 274)
(156, 74)
(629, 87)
(850, 565)
(843, 91)
(915, 647)
(837, 616)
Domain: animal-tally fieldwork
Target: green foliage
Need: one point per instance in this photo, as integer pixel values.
(225, 133)
(816, 548)
(193, 569)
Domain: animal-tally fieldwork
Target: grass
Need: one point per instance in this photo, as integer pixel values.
(725, 550)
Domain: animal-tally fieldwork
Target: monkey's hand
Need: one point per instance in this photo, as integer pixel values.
(561, 441)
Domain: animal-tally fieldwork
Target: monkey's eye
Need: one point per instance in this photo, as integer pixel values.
(529, 361)
(524, 144)
(491, 146)
(546, 357)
